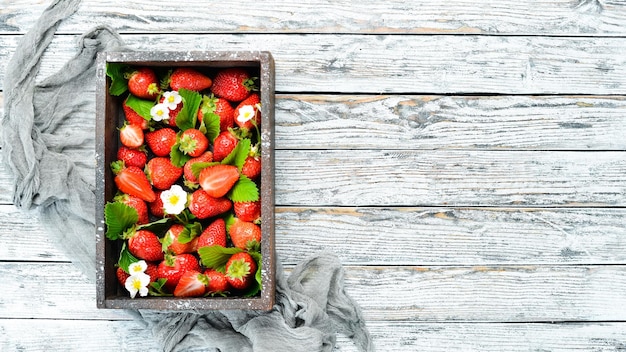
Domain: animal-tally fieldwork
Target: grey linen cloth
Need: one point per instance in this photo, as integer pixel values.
(48, 144)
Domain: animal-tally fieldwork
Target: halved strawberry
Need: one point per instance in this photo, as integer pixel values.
(240, 270)
(213, 235)
(161, 141)
(131, 136)
(217, 180)
(223, 144)
(245, 235)
(162, 173)
(191, 181)
(233, 84)
(193, 142)
(188, 78)
(173, 267)
(191, 284)
(132, 156)
(203, 206)
(143, 83)
(144, 244)
(132, 180)
(218, 284)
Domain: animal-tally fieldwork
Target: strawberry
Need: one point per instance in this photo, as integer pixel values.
(252, 167)
(233, 84)
(188, 78)
(218, 284)
(132, 157)
(131, 136)
(217, 180)
(132, 180)
(171, 237)
(191, 284)
(248, 211)
(136, 203)
(173, 113)
(193, 142)
(245, 235)
(223, 144)
(161, 141)
(218, 106)
(204, 206)
(247, 113)
(213, 235)
(143, 83)
(156, 207)
(173, 267)
(151, 271)
(240, 270)
(162, 173)
(121, 275)
(144, 244)
(191, 181)
(133, 117)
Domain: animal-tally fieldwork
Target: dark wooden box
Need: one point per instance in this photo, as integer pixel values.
(110, 117)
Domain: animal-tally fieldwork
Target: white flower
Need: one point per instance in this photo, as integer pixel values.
(246, 113)
(137, 283)
(137, 267)
(174, 200)
(160, 112)
(172, 99)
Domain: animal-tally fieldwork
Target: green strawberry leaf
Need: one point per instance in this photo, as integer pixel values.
(164, 83)
(238, 155)
(119, 84)
(166, 241)
(215, 257)
(188, 115)
(256, 286)
(244, 190)
(126, 258)
(190, 232)
(156, 288)
(118, 217)
(140, 106)
(211, 124)
(229, 219)
(177, 157)
(196, 168)
(158, 227)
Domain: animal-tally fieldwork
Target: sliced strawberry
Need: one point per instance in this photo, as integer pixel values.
(131, 136)
(142, 82)
(240, 270)
(161, 141)
(144, 244)
(162, 173)
(191, 284)
(204, 206)
(218, 284)
(173, 267)
(132, 180)
(191, 181)
(245, 235)
(217, 180)
(193, 142)
(223, 144)
(213, 235)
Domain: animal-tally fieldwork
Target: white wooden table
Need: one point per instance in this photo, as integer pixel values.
(465, 159)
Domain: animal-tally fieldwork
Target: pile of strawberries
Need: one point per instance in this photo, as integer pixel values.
(187, 206)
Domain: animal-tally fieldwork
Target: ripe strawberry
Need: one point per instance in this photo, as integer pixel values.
(218, 106)
(213, 235)
(151, 271)
(161, 141)
(171, 237)
(204, 206)
(188, 78)
(217, 180)
(245, 235)
(191, 284)
(173, 267)
(132, 157)
(121, 276)
(143, 83)
(131, 136)
(162, 173)
(156, 207)
(218, 284)
(247, 111)
(248, 211)
(173, 113)
(138, 204)
(252, 167)
(191, 181)
(144, 244)
(224, 143)
(193, 142)
(132, 180)
(133, 117)
(240, 270)
(233, 84)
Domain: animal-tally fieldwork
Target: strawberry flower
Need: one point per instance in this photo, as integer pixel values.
(160, 112)
(137, 283)
(246, 113)
(174, 200)
(137, 267)
(172, 99)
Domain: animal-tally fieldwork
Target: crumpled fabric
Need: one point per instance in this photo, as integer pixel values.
(48, 142)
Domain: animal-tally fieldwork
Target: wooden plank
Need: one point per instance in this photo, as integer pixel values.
(390, 293)
(402, 236)
(68, 335)
(403, 63)
(555, 17)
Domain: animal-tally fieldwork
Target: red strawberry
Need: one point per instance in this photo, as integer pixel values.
(162, 173)
(156, 207)
(191, 181)
(144, 244)
(248, 211)
(252, 167)
(173, 113)
(224, 143)
(233, 84)
(188, 78)
(131, 136)
(132, 180)
(240, 270)
(217, 180)
(193, 142)
(173, 268)
(151, 271)
(138, 204)
(218, 284)
(247, 113)
(191, 284)
(121, 276)
(213, 235)
(171, 236)
(218, 106)
(204, 206)
(133, 117)
(245, 235)
(143, 83)
(161, 141)
(132, 157)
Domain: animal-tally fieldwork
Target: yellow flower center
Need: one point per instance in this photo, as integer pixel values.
(159, 112)
(137, 283)
(171, 99)
(174, 199)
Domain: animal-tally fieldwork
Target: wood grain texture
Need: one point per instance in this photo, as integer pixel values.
(403, 63)
(555, 17)
(526, 293)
